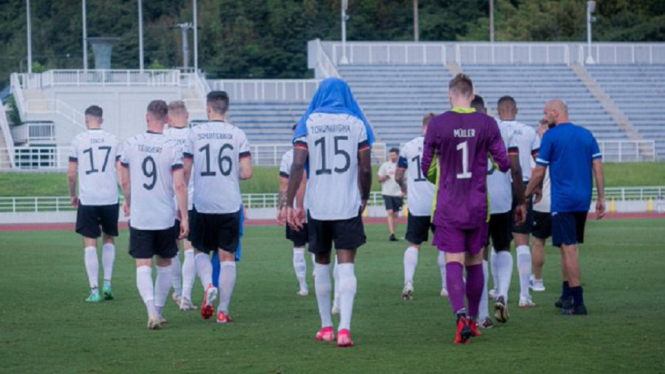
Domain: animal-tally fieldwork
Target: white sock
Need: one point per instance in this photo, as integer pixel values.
(336, 283)
(322, 287)
(483, 308)
(227, 280)
(188, 274)
(504, 264)
(347, 292)
(162, 287)
(524, 269)
(203, 269)
(146, 288)
(300, 267)
(410, 263)
(441, 260)
(495, 269)
(108, 258)
(91, 266)
(176, 274)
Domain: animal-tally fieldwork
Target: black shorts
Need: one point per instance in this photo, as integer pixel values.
(144, 244)
(346, 234)
(568, 228)
(298, 237)
(524, 228)
(89, 218)
(417, 228)
(541, 227)
(499, 231)
(393, 203)
(211, 231)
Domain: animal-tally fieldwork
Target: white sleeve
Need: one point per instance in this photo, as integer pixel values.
(73, 152)
(284, 169)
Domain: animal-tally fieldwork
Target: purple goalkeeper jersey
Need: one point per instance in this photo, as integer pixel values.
(462, 140)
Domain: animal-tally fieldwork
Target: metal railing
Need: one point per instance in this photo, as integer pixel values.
(262, 90)
(129, 78)
(511, 53)
(397, 53)
(269, 200)
(33, 132)
(324, 64)
(623, 53)
(17, 91)
(58, 107)
(7, 135)
(628, 150)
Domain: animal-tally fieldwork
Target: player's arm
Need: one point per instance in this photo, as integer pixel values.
(536, 180)
(281, 196)
(429, 154)
(402, 165)
(245, 164)
(126, 186)
(300, 153)
(600, 187)
(516, 175)
(187, 162)
(364, 175)
(71, 181)
(180, 188)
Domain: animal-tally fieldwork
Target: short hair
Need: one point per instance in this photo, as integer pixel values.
(396, 150)
(177, 106)
(461, 85)
(506, 100)
(428, 117)
(94, 111)
(478, 103)
(218, 101)
(158, 109)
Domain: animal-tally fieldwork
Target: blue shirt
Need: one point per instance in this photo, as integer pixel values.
(569, 150)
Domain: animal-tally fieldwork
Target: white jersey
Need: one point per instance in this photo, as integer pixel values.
(180, 135)
(217, 148)
(151, 159)
(96, 152)
(285, 171)
(389, 187)
(333, 142)
(419, 190)
(528, 143)
(543, 205)
(499, 187)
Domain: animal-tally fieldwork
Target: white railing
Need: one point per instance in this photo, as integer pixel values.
(268, 154)
(33, 132)
(623, 53)
(324, 64)
(397, 53)
(262, 90)
(129, 78)
(511, 53)
(628, 150)
(58, 107)
(269, 200)
(17, 91)
(7, 135)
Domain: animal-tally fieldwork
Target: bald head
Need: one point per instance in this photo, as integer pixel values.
(555, 112)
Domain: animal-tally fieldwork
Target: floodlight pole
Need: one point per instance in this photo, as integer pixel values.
(416, 26)
(196, 40)
(345, 5)
(140, 36)
(85, 36)
(491, 10)
(590, 8)
(27, 8)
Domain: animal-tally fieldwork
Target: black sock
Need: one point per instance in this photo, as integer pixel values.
(565, 291)
(578, 299)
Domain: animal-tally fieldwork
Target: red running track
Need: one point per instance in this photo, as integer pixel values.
(272, 222)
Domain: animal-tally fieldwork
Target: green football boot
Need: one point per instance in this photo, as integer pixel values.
(107, 291)
(94, 296)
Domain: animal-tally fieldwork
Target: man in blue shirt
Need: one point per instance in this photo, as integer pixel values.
(571, 152)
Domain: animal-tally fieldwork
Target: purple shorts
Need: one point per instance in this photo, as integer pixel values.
(453, 240)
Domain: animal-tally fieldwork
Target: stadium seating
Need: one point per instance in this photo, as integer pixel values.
(267, 122)
(639, 92)
(396, 97)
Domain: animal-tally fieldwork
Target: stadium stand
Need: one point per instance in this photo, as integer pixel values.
(638, 90)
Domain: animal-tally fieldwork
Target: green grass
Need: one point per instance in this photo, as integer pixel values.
(45, 326)
(265, 180)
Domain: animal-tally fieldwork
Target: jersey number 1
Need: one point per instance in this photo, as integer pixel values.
(465, 174)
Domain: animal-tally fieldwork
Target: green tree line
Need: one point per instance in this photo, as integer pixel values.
(268, 38)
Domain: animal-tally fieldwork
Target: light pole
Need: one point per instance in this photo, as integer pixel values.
(345, 6)
(196, 40)
(590, 8)
(140, 36)
(27, 8)
(184, 27)
(491, 21)
(85, 37)
(416, 26)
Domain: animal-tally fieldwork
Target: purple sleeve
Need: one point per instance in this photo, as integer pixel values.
(429, 149)
(497, 149)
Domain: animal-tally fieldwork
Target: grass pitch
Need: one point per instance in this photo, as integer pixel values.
(45, 325)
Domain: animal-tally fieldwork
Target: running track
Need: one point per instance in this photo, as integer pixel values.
(272, 222)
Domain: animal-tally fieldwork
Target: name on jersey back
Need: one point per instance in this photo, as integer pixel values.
(97, 140)
(149, 149)
(464, 133)
(319, 129)
(214, 135)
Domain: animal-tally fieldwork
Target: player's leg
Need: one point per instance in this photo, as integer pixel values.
(229, 229)
(87, 225)
(165, 250)
(562, 225)
(109, 222)
(299, 239)
(570, 258)
(188, 276)
(494, 292)
(141, 248)
(521, 237)
(501, 235)
(475, 280)
(202, 247)
(176, 275)
(348, 236)
(335, 271)
(484, 321)
(416, 233)
(542, 229)
(441, 261)
(390, 218)
(320, 244)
